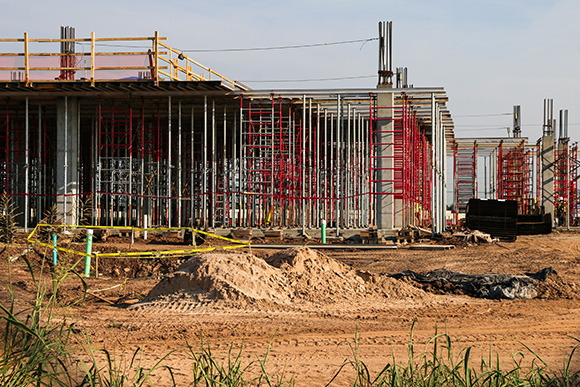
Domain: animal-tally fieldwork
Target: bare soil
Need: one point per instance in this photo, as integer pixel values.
(307, 305)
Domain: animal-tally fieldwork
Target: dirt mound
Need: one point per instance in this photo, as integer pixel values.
(229, 277)
(554, 287)
(294, 279)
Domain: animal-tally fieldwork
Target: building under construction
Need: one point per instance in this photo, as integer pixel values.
(152, 137)
(541, 177)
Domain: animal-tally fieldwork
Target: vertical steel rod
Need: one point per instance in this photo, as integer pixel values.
(303, 166)
(213, 165)
(26, 165)
(204, 165)
(169, 166)
(191, 172)
(224, 170)
(179, 166)
(338, 168)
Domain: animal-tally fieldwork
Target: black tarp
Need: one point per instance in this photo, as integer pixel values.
(492, 286)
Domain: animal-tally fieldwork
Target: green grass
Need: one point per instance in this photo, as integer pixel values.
(40, 349)
(439, 365)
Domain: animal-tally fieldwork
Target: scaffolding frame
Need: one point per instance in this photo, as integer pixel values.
(464, 175)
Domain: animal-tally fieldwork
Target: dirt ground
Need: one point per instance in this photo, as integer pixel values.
(310, 340)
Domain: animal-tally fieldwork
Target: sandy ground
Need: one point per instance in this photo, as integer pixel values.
(310, 342)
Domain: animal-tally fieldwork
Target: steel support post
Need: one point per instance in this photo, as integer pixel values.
(179, 166)
(309, 165)
(235, 166)
(169, 166)
(192, 171)
(213, 165)
(271, 207)
(317, 168)
(434, 185)
(338, 168)
(303, 166)
(204, 165)
(224, 170)
(26, 165)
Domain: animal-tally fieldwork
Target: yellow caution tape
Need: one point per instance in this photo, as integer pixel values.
(138, 254)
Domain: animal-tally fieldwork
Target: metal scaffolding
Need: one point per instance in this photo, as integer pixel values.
(464, 174)
(146, 141)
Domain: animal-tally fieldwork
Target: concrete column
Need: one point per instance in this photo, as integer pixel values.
(547, 156)
(67, 139)
(387, 214)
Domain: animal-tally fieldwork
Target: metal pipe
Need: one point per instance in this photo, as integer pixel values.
(309, 201)
(242, 165)
(567, 185)
(26, 165)
(348, 170)
(434, 168)
(168, 204)
(224, 170)
(317, 166)
(191, 171)
(65, 158)
(236, 166)
(325, 169)
(213, 164)
(271, 209)
(204, 165)
(39, 163)
(129, 216)
(142, 155)
(303, 166)
(179, 166)
(338, 163)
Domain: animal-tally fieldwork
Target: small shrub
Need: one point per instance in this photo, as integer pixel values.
(7, 219)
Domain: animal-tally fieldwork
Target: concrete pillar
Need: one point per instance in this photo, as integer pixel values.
(548, 174)
(67, 139)
(388, 211)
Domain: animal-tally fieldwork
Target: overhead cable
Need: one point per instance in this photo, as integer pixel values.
(307, 80)
(282, 47)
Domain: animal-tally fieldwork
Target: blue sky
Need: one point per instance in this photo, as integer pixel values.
(489, 55)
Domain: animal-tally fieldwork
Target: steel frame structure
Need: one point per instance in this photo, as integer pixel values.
(410, 161)
(464, 175)
(177, 148)
(566, 176)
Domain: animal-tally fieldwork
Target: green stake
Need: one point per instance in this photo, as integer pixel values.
(88, 250)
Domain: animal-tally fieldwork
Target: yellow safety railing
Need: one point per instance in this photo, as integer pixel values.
(164, 62)
(179, 71)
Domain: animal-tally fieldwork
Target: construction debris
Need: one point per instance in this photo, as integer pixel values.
(491, 286)
(475, 236)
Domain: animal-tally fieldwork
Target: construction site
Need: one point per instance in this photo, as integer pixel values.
(350, 208)
(154, 138)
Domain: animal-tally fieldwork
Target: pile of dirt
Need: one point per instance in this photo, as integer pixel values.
(294, 279)
(554, 287)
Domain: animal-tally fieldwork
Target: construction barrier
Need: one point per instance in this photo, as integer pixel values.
(136, 254)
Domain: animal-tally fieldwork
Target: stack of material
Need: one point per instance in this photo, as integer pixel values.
(371, 236)
(534, 224)
(499, 218)
(407, 234)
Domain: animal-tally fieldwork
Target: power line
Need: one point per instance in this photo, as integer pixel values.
(485, 115)
(246, 49)
(283, 47)
(479, 129)
(308, 80)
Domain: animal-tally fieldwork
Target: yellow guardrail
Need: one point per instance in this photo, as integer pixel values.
(137, 254)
